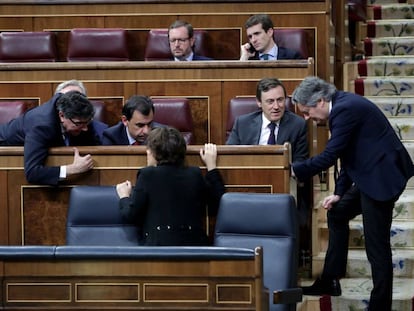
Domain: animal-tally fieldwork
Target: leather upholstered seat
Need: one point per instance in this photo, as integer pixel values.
(26, 46)
(249, 220)
(94, 218)
(175, 112)
(292, 38)
(158, 47)
(97, 44)
(11, 109)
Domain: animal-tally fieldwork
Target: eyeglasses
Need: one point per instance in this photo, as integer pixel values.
(80, 123)
(178, 40)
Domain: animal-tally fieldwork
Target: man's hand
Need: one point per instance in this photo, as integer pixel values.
(330, 200)
(244, 52)
(80, 164)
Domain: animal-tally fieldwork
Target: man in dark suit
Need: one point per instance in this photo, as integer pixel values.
(375, 168)
(136, 122)
(66, 119)
(253, 128)
(181, 39)
(261, 45)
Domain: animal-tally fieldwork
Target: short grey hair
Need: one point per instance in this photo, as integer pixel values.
(73, 82)
(311, 90)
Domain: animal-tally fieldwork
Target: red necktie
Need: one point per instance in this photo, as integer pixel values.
(135, 143)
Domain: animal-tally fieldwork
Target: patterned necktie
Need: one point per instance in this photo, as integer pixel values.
(265, 56)
(272, 138)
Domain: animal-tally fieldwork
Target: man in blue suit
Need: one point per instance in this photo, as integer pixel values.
(136, 122)
(261, 45)
(253, 129)
(66, 119)
(375, 168)
(181, 40)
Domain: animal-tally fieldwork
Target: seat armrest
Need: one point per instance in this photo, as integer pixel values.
(287, 296)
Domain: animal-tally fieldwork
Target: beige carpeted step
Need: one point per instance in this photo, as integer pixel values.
(387, 28)
(402, 234)
(384, 86)
(394, 106)
(389, 46)
(390, 10)
(404, 127)
(386, 66)
(358, 265)
(356, 292)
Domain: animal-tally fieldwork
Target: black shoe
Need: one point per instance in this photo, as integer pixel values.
(321, 287)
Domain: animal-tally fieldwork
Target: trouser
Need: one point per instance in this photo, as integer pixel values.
(377, 218)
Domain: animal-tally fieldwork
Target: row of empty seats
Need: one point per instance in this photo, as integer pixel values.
(111, 44)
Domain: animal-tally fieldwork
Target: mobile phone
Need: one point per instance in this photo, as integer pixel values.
(252, 49)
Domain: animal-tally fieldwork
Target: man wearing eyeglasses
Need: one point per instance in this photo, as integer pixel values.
(66, 119)
(181, 40)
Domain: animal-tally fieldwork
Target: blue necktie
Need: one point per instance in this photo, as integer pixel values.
(265, 56)
(272, 137)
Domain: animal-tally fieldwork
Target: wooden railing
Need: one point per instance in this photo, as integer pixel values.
(36, 215)
(209, 86)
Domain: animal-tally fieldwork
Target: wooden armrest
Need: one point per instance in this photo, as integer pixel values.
(287, 296)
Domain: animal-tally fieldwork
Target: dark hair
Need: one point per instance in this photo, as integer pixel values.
(75, 105)
(167, 146)
(267, 84)
(263, 19)
(143, 104)
(178, 24)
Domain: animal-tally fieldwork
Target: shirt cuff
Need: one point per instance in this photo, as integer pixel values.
(62, 173)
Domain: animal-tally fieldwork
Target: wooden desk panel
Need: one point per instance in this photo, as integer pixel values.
(36, 215)
(35, 15)
(208, 85)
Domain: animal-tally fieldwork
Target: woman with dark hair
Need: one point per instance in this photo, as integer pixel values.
(169, 199)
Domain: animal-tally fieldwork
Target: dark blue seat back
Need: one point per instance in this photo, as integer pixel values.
(248, 220)
(94, 218)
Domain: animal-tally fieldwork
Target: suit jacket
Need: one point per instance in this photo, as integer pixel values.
(292, 129)
(116, 135)
(38, 130)
(371, 154)
(197, 57)
(201, 57)
(283, 53)
(168, 195)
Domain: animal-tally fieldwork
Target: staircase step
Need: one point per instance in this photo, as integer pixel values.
(377, 2)
(402, 234)
(404, 207)
(386, 66)
(394, 106)
(389, 46)
(403, 126)
(358, 265)
(388, 28)
(384, 86)
(356, 292)
(389, 10)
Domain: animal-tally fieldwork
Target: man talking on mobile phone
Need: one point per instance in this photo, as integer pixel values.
(261, 45)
